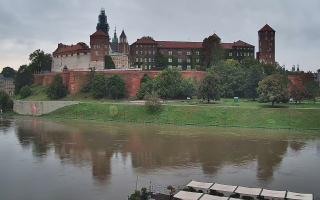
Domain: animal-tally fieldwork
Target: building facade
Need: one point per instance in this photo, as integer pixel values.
(266, 52)
(143, 53)
(7, 85)
(238, 50)
(147, 54)
(81, 57)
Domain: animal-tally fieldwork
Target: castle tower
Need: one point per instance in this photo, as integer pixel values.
(115, 42)
(102, 24)
(266, 52)
(100, 42)
(123, 45)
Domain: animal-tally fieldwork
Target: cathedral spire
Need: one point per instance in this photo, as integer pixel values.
(115, 41)
(102, 24)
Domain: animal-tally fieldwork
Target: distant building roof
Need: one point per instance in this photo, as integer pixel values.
(266, 28)
(179, 45)
(63, 49)
(240, 43)
(123, 35)
(99, 33)
(146, 40)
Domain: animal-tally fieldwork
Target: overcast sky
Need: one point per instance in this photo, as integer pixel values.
(27, 25)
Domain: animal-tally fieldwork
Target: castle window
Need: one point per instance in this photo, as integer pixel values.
(188, 67)
(170, 60)
(179, 60)
(150, 60)
(137, 52)
(197, 53)
(188, 60)
(230, 54)
(180, 52)
(197, 60)
(137, 59)
(170, 53)
(188, 53)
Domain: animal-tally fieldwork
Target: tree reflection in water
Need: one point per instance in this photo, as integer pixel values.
(154, 147)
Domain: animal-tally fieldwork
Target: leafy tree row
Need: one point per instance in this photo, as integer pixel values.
(105, 87)
(169, 84)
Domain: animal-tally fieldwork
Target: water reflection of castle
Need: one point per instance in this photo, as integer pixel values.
(150, 151)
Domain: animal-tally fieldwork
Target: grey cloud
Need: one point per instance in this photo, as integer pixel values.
(34, 24)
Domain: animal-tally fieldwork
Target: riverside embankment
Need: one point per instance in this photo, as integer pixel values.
(198, 115)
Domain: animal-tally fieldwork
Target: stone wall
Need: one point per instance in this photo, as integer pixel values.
(72, 62)
(38, 108)
(75, 80)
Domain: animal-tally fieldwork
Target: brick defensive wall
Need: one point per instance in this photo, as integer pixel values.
(75, 80)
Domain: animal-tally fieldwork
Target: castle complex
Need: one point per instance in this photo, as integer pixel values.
(147, 53)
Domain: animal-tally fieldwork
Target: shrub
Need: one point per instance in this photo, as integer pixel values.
(153, 103)
(209, 87)
(99, 87)
(6, 103)
(273, 89)
(168, 84)
(87, 87)
(57, 90)
(25, 92)
(116, 87)
(188, 88)
(146, 88)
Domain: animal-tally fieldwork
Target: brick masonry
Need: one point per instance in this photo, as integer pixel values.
(75, 80)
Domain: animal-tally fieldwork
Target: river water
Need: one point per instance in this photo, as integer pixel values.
(42, 159)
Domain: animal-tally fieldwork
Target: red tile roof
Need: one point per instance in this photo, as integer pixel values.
(240, 43)
(63, 49)
(99, 33)
(146, 40)
(266, 28)
(227, 45)
(179, 45)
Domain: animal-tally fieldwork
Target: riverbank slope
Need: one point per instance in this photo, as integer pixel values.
(198, 115)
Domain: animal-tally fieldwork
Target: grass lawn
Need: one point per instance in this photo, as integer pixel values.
(247, 114)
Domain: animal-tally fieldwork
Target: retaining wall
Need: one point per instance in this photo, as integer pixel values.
(75, 80)
(38, 108)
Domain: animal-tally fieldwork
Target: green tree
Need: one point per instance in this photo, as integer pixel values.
(146, 87)
(168, 84)
(312, 89)
(6, 103)
(188, 88)
(253, 75)
(116, 87)
(212, 51)
(273, 89)
(57, 89)
(145, 79)
(232, 78)
(23, 77)
(25, 92)
(40, 61)
(108, 63)
(209, 88)
(297, 93)
(8, 72)
(88, 86)
(99, 86)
